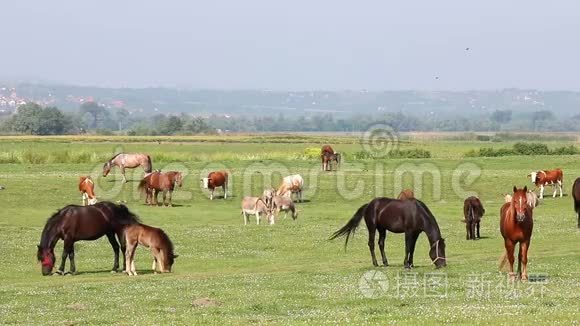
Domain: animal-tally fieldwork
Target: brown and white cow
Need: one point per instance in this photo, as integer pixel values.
(87, 189)
(291, 184)
(216, 179)
(548, 177)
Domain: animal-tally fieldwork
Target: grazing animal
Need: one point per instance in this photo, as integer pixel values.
(406, 194)
(268, 195)
(128, 160)
(156, 182)
(256, 206)
(284, 204)
(409, 216)
(291, 184)
(576, 196)
(87, 189)
(216, 179)
(327, 156)
(74, 223)
(516, 225)
(473, 212)
(549, 177)
(152, 238)
(532, 199)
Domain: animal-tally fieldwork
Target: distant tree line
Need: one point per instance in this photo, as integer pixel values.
(91, 117)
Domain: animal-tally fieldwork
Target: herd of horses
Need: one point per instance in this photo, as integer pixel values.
(405, 214)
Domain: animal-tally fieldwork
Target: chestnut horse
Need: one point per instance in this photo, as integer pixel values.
(157, 181)
(576, 196)
(152, 238)
(128, 160)
(327, 156)
(74, 223)
(87, 189)
(406, 194)
(516, 225)
(216, 179)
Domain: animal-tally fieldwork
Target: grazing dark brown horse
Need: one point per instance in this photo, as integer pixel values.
(156, 182)
(128, 160)
(576, 196)
(516, 225)
(473, 212)
(410, 216)
(152, 238)
(73, 223)
(216, 179)
(406, 194)
(327, 156)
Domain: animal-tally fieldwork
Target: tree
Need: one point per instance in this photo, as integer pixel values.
(32, 119)
(27, 119)
(501, 116)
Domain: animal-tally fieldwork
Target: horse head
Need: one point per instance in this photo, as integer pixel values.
(437, 253)
(107, 168)
(520, 203)
(46, 257)
(178, 179)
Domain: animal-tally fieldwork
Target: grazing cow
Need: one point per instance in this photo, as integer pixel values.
(576, 196)
(256, 206)
(473, 212)
(216, 179)
(327, 156)
(291, 184)
(550, 177)
(532, 198)
(87, 189)
(406, 194)
(284, 204)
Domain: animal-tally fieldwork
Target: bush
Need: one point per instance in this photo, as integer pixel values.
(311, 153)
(408, 153)
(523, 149)
(483, 137)
(531, 149)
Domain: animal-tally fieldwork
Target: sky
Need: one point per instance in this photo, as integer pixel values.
(294, 45)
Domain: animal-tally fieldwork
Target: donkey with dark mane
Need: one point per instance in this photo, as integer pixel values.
(128, 160)
(74, 223)
(409, 216)
(473, 212)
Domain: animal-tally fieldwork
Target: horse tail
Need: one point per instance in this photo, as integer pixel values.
(149, 166)
(503, 262)
(351, 225)
(142, 186)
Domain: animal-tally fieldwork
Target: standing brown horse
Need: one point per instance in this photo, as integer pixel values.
(128, 160)
(576, 196)
(157, 181)
(473, 212)
(406, 194)
(149, 237)
(327, 156)
(516, 225)
(73, 223)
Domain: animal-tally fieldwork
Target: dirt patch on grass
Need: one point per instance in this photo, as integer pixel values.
(205, 302)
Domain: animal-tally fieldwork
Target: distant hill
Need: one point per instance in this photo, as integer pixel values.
(265, 102)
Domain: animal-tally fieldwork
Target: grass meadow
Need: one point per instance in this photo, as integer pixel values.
(288, 273)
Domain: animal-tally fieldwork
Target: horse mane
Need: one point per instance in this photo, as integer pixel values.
(165, 238)
(122, 214)
(114, 157)
(427, 214)
(51, 223)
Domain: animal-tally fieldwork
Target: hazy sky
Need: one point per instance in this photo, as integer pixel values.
(298, 45)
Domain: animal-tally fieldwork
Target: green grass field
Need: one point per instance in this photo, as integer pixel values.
(288, 273)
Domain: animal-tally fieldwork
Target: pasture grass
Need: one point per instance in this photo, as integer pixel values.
(288, 273)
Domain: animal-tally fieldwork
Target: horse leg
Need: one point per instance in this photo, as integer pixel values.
(129, 250)
(555, 187)
(382, 237)
(524, 259)
(472, 231)
(509, 247)
(372, 230)
(225, 191)
(155, 195)
(541, 191)
(71, 257)
(412, 241)
(257, 218)
(123, 174)
(115, 245)
(467, 230)
(519, 270)
(164, 198)
(478, 236)
(561, 188)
